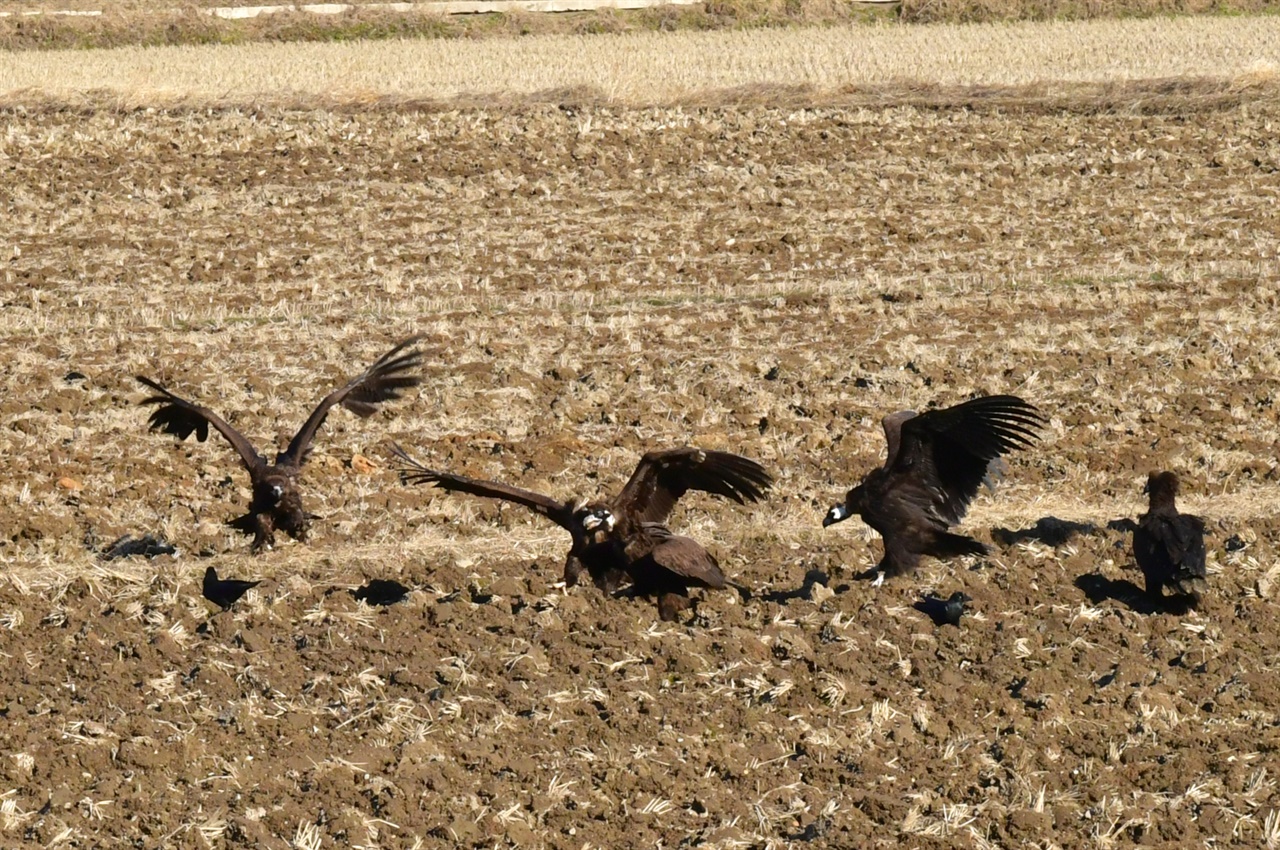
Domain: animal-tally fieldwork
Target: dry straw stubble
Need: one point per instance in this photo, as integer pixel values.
(594, 282)
(647, 68)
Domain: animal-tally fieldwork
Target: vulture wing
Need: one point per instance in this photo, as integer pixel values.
(942, 456)
(412, 472)
(1170, 548)
(661, 478)
(682, 556)
(385, 380)
(182, 418)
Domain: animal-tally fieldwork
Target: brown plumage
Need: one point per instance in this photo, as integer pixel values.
(625, 537)
(276, 502)
(1169, 546)
(936, 462)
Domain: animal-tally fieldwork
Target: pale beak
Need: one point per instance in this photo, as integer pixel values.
(836, 514)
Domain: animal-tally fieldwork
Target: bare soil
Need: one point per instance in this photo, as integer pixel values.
(595, 282)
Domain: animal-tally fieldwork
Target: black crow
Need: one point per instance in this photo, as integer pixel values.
(224, 592)
(944, 612)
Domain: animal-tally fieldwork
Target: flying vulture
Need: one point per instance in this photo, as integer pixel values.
(276, 502)
(626, 537)
(1169, 546)
(224, 592)
(936, 462)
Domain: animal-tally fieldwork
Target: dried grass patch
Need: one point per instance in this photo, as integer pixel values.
(869, 65)
(153, 22)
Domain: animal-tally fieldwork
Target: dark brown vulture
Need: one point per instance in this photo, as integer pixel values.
(625, 537)
(1169, 546)
(936, 463)
(276, 502)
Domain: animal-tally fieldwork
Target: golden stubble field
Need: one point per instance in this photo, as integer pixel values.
(668, 68)
(594, 282)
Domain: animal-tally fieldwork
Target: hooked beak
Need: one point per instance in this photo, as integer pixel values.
(593, 521)
(836, 514)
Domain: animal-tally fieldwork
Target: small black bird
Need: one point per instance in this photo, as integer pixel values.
(626, 537)
(936, 463)
(224, 592)
(1169, 546)
(944, 611)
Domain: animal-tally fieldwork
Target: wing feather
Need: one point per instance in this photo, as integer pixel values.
(662, 477)
(182, 418)
(385, 380)
(412, 472)
(1170, 546)
(682, 556)
(944, 455)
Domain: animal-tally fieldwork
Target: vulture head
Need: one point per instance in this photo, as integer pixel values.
(597, 520)
(1161, 483)
(846, 509)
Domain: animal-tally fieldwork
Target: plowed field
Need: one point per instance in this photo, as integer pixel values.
(595, 282)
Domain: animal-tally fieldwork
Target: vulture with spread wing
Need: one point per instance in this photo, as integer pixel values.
(276, 502)
(936, 463)
(1169, 546)
(626, 537)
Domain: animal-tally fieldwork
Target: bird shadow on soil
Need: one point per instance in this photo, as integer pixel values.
(1099, 589)
(804, 591)
(1052, 531)
(381, 591)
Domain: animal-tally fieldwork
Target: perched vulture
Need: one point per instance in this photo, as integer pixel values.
(224, 592)
(625, 537)
(935, 465)
(1169, 546)
(276, 502)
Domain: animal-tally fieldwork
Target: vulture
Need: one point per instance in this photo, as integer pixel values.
(276, 502)
(936, 462)
(1169, 546)
(626, 537)
(224, 592)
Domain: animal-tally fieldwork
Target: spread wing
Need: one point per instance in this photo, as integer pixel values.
(412, 472)
(943, 456)
(182, 418)
(385, 380)
(661, 478)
